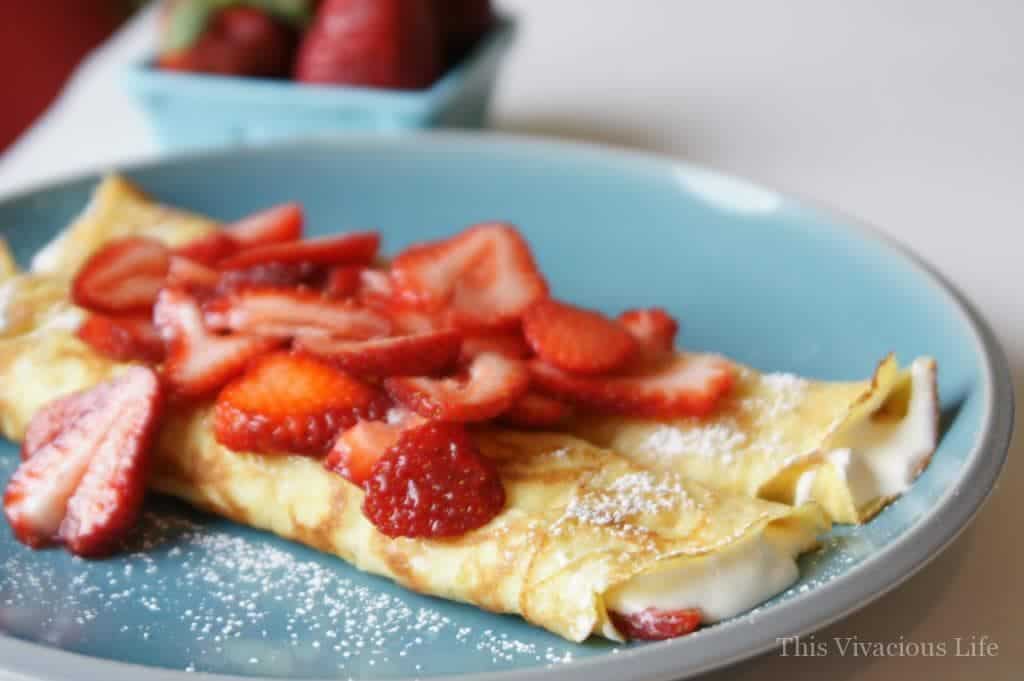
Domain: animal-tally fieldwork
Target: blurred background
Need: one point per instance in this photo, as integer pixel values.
(908, 115)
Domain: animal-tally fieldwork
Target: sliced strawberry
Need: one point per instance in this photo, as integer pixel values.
(86, 484)
(486, 275)
(653, 624)
(210, 249)
(125, 338)
(357, 449)
(353, 248)
(417, 355)
(191, 275)
(575, 339)
(53, 418)
(283, 313)
(275, 275)
(276, 225)
(199, 362)
(411, 320)
(433, 482)
(687, 385)
(288, 403)
(375, 285)
(344, 281)
(124, 276)
(491, 385)
(508, 344)
(534, 410)
(107, 503)
(654, 331)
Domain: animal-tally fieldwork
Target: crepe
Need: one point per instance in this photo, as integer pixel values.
(851, 447)
(584, 530)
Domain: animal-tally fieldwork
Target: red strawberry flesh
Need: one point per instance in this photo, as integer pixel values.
(199, 362)
(276, 225)
(287, 403)
(576, 339)
(509, 344)
(344, 281)
(191, 275)
(486, 275)
(53, 418)
(125, 338)
(124, 276)
(416, 355)
(490, 386)
(687, 385)
(269, 311)
(85, 485)
(108, 500)
(210, 249)
(433, 482)
(352, 248)
(653, 624)
(654, 330)
(359, 448)
(534, 410)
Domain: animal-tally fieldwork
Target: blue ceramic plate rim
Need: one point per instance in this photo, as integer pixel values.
(848, 592)
(145, 78)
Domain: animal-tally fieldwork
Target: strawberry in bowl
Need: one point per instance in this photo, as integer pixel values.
(230, 71)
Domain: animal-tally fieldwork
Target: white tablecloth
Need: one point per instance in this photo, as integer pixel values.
(908, 114)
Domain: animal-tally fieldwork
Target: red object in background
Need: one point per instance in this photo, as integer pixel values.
(239, 41)
(41, 42)
(371, 43)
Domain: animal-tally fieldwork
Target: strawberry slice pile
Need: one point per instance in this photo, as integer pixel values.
(82, 479)
(316, 348)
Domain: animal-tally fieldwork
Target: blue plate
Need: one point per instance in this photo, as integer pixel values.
(768, 280)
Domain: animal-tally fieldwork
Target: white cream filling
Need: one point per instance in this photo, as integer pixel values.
(45, 260)
(721, 585)
(880, 460)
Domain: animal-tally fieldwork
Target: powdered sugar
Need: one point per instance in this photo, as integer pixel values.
(787, 392)
(723, 438)
(631, 495)
(220, 598)
(720, 438)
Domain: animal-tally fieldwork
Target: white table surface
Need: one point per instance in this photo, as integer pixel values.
(909, 115)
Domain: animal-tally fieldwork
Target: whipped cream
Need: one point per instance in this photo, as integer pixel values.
(880, 460)
(721, 585)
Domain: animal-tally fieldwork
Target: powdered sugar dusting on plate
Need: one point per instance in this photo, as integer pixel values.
(233, 600)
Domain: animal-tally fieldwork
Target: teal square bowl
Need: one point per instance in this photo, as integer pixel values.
(193, 111)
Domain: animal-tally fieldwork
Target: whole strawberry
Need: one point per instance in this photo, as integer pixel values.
(371, 43)
(239, 40)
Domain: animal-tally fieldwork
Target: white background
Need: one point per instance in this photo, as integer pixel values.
(908, 114)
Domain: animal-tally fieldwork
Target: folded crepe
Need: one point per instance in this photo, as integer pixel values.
(584, 531)
(851, 447)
